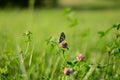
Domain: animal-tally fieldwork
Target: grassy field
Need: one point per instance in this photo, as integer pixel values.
(35, 60)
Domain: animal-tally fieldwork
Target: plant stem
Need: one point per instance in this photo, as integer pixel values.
(22, 66)
(27, 47)
(89, 72)
(107, 69)
(55, 67)
(30, 60)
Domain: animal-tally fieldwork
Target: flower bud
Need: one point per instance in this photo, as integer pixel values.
(28, 32)
(80, 57)
(68, 71)
(64, 44)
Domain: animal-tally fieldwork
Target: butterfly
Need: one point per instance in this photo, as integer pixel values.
(62, 37)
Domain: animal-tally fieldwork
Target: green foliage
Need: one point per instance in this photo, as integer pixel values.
(71, 17)
(36, 56)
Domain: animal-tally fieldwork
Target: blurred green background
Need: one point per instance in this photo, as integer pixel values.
(47, 17)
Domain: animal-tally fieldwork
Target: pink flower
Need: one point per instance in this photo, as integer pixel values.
(68, 71)
(64, 44)
(80, 57)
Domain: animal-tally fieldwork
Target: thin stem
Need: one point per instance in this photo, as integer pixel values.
(43, 65)
(107, 69)
(30, 60)
(89, 72)
(63, 55)
(22, 66)
(27, 48)
(55, 67)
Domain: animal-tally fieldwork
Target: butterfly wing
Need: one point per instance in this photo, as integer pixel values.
(62, 37)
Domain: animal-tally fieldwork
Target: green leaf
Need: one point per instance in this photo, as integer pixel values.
(67, 10)
(74, 23)
(75, 62)
(48, 40)
(117, 26)
(101, 33)
(69, 63)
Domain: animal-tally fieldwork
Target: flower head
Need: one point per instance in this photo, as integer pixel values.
(80, 57)
(64, 44)
(28, 32)
(68, 71)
